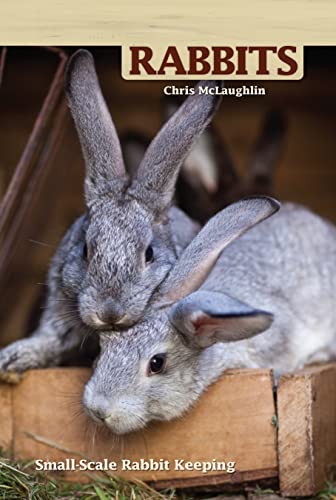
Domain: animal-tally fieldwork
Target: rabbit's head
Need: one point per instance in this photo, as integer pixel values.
(156, 369)
(129, 246)
(69, 266)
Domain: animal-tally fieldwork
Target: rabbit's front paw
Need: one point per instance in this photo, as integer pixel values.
(19, 357)
(10, 377)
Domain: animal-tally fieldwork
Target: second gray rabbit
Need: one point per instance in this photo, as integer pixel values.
(268, 302)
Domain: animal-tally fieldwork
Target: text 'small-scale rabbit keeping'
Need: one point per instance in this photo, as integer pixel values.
(174, 307)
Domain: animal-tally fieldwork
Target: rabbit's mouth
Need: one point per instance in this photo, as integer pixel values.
(123, 321)
(121, 417)
(106, 313)
(95, 322)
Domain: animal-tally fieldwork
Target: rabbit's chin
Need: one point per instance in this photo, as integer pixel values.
(124, 425)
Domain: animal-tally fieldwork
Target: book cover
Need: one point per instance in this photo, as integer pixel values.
(168, 251)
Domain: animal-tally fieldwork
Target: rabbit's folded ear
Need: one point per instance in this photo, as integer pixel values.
(156, 176)
(209, 317)
(97, 134)
(198, 259)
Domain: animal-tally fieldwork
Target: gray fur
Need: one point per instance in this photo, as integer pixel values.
(210, 317)
(282, 268)
(96, 131)
(127, 216)
(114, 284)
(60, 331)
(160, 166)
(209, 179)
(201, 255)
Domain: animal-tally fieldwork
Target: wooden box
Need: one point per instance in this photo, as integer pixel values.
(292, 440)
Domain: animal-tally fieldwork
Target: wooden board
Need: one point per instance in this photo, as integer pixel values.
(42, 418)
(6, 416)
(307, 429)
(226, 425)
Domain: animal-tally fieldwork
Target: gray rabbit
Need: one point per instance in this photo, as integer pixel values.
(115, 256)
(267, 301)
(130, 245)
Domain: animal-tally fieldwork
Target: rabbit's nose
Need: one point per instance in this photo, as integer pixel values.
(111, 312)
(95, 405)
(97, 414)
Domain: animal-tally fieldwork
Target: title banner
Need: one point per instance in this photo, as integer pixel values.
(268, 62)
(180, 39)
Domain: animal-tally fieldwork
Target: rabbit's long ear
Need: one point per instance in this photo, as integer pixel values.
(197, 260)
(200, 167)
(97, 134)
(209, 317)
(156, 177)
(266, 151)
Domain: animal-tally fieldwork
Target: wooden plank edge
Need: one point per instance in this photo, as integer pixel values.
(296, 468)
(216, 480)
(308, 479)
(7, 417)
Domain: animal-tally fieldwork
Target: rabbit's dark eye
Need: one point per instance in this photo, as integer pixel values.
(85, 251)
(157, 364)
(149, 255)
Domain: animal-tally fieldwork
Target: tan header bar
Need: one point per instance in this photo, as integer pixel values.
(163, 23)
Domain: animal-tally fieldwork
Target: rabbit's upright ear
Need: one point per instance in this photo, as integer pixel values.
(197, 260)
(209, 317)
(155, 180)
(267, 151)
(200, 167)
(97, 134)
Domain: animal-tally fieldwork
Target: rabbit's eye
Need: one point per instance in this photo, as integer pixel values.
(149, 255)
(85, 251)
(157, 364)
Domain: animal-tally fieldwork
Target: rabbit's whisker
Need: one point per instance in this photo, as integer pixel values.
(42, 243)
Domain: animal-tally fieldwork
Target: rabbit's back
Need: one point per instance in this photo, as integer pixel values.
(285, 265)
